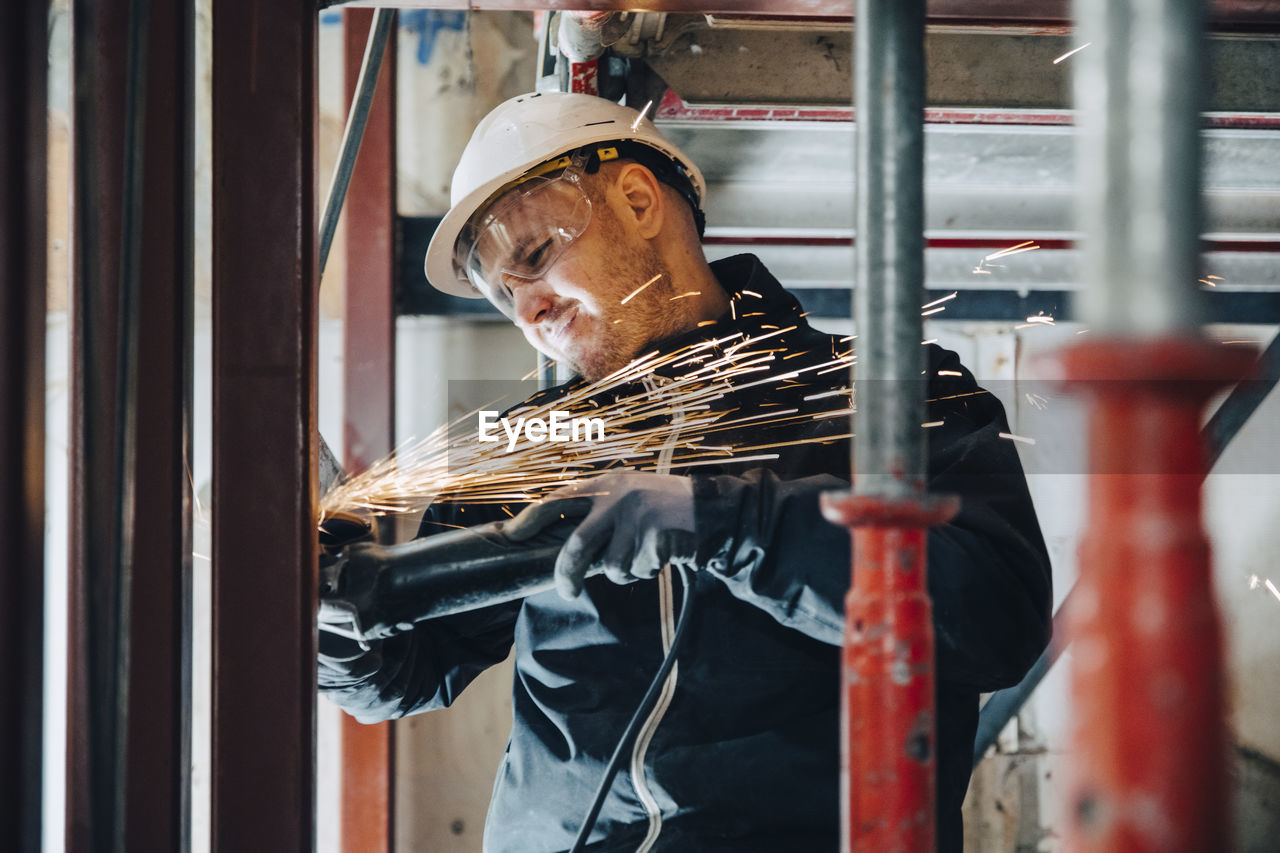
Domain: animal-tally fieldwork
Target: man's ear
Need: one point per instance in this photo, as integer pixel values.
(642, 194)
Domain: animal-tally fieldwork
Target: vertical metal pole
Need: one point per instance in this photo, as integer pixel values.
(100, 45)
(889, 260)
(23, 160)
(157, 737)
(1138, 90)
(369, 396)
(1149, 740)
(264, 429)
(127, 742)
(888, 731)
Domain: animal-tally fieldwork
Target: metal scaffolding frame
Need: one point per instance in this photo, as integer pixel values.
(130, 594)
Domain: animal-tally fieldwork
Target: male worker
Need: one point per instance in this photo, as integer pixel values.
(582, 224)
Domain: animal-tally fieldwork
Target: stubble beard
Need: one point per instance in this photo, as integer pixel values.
(650, 316)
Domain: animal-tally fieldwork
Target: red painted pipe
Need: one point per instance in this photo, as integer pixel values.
(888, 725)
(1149, 733)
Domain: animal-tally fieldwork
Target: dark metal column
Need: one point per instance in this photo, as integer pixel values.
(369, 398)
(1149, 768)
(157, 811)
(888, 731)
(128, 710)
(264, 429)
(23, 159)
(94, 757)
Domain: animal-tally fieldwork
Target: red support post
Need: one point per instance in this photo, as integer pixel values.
(888, 730)
(1149, 733)
(369, 398)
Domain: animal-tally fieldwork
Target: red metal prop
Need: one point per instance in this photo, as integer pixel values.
(1149, 734)
(888, 728)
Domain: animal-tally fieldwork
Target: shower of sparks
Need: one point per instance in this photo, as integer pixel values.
(753, 293)
(637, 291)
(684, 295)
(1242, 341)
(640, 117)
(1022, 438)
(1272, 589)
(467, 470)
(1025, 246)
(929, 341)
(1071, 53)
(933, 311)
(931, 424)
(1207, 283)
(950, 373)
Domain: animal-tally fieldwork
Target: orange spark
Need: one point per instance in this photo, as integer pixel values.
(636, 292)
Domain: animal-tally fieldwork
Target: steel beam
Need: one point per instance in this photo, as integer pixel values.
(369, 399)
(157, 810)
(978, 12)
(23, 160)
(128, 735)
(264, 428)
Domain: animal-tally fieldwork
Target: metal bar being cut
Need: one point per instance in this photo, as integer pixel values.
(888, 727)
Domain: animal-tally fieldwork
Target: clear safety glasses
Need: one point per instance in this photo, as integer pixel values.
(522, 234)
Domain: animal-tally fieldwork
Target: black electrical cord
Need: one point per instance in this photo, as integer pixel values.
(642, 711)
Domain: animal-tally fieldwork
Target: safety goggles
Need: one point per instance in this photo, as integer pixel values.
(524, 233)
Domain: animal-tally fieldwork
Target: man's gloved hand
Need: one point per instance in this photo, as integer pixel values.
(635, 523)
(344, 657)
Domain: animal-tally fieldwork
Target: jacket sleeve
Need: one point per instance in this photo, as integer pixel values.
(420, 670)
(988, 569)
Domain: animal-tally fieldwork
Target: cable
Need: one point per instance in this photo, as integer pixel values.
(642, 711)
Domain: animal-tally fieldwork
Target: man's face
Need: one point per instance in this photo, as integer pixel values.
(604, 298)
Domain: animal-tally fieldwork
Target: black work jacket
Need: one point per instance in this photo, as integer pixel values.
(743, 752)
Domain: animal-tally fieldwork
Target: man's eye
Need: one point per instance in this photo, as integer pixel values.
(537, 254)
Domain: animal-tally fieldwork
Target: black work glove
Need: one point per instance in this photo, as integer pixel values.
(344, 662)
(344, 658)
(633, 525)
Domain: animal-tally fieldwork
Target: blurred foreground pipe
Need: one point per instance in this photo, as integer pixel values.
(1149, 733)
(1149, 736)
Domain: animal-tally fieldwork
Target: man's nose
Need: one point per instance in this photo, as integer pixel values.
(532, 301)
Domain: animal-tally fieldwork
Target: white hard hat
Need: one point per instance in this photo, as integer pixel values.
(519, 134)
